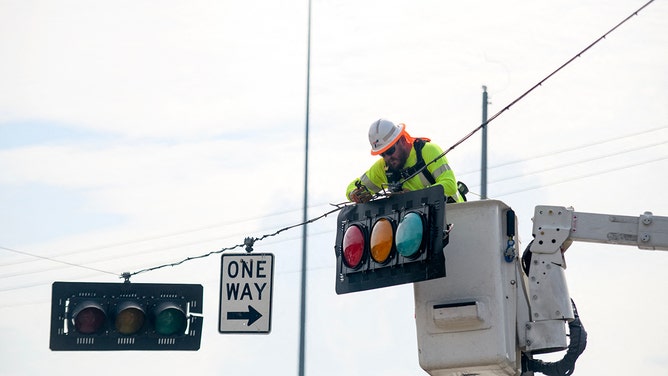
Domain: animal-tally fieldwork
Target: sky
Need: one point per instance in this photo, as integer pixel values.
(135, 134)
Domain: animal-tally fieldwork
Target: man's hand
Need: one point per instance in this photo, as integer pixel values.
(360, 195)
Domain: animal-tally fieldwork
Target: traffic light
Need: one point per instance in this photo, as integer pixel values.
(125, 316)
(391, 241)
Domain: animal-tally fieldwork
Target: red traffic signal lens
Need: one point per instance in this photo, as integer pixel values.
(88, 318)
(353, 246)
(170, 319)
(381, 241)
(129, 318)
(409, 234)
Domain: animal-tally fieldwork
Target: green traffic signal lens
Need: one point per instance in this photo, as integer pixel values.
(88, 318)
(129, 318)
(170, 319)
(409, 234)
(353, 246)
(381, 240)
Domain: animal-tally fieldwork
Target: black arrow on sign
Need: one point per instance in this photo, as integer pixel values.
(252, 315)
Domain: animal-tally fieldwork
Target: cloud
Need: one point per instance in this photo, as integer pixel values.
(159, 132)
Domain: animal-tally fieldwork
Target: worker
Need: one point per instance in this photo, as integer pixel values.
(402, 155)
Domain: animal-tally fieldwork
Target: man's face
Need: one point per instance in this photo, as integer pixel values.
(396, 156)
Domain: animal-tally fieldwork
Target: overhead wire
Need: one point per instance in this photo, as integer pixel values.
(540, 83)
(545, 169)
(570, 179)
(248, 242)
(116, 255)
(582, 176)
(566, 150)
(203, 228)
(207, 227)
(55, 260)
(43, 282)
(523, 189)
(157, 237)
(14, 304)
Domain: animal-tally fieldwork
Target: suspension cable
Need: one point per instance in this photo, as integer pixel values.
(504, 109)
(248, 242)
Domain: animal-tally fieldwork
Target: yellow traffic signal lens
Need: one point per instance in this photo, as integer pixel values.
(353, 246)
(130, 318)
(381, 240)
(170, 319)
(409, 234)
(89, 318)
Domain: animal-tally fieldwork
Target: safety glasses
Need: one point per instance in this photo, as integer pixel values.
(389, 151)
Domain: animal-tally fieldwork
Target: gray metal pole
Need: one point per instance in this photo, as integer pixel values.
(483, 167)
(302, 320)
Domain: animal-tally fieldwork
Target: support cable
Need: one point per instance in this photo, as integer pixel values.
(248, 242)
(504, 109)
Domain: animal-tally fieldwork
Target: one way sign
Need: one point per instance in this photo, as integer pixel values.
(245, 293)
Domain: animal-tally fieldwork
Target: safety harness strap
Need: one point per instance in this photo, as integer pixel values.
(395, 176)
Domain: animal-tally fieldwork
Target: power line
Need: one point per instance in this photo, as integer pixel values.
(566, 150)
(588, 175)
(154, 250)
(202, 228)
(248, 243)
(162, 236)
(540, 83)
(56, 260)
(86, 277)
(213, 226)
(41, 283)
(616, 153)
(108, 257)
(157, 237)
(616, 168)
(220, 251)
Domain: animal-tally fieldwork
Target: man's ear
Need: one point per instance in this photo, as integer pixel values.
(407, 144)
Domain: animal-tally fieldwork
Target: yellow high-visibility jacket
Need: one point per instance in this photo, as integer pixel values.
(375, 179)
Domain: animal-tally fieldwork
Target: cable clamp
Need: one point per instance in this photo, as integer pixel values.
(126, 276)
(248, 242)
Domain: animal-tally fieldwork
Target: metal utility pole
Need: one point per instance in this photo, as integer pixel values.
(302, 321)
(483, 167)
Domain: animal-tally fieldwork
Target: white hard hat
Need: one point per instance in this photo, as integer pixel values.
(383, 134)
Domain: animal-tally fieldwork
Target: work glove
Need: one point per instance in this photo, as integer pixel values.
(360, 195)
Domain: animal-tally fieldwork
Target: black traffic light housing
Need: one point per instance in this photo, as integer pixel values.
(428, 262)
(125, 316)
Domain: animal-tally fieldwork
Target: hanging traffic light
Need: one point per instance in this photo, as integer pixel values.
(125, 316)
(391, 241)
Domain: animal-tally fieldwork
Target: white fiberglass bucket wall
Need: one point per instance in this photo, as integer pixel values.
(466, 321)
